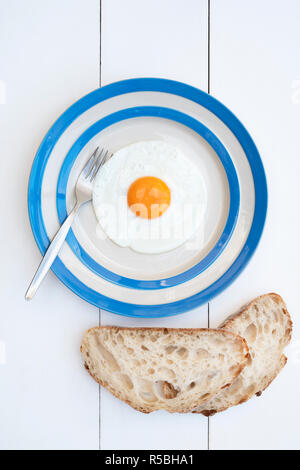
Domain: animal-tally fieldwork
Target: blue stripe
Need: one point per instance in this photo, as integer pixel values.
(190, 93)
(189, 122)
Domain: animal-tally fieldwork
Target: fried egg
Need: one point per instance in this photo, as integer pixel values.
(150, 197)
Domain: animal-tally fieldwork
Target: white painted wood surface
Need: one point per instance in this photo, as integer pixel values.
(49, 57)
(254, 71)
(49, 53)
(167, 40)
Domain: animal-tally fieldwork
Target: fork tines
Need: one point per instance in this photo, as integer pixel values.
(93, 165)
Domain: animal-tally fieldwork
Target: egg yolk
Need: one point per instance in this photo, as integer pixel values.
(149, 197)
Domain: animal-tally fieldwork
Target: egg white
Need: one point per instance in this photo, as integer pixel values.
(177, 224)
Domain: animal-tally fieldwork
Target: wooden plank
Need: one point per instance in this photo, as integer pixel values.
(154, 39)
(254, 71)
(164, 39)
(49, 58)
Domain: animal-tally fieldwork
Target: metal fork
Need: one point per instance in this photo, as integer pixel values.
(83, 191)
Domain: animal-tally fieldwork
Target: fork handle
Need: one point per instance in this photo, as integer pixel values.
(51, 254)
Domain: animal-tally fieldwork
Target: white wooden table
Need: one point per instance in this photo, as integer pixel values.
(51, 53)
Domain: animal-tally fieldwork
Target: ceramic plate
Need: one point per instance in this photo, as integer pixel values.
(119, 279)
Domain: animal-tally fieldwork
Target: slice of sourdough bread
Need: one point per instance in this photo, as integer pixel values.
(266, 325)
(159, 368)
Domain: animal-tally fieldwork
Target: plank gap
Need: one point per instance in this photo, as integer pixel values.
(208, 46)
(99, 316)
(208, 91)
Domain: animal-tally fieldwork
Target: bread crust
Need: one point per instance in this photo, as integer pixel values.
(208, 413)
(229, 323)
(283, 359)
(158, 328)
(116, 329)
(277, 299)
